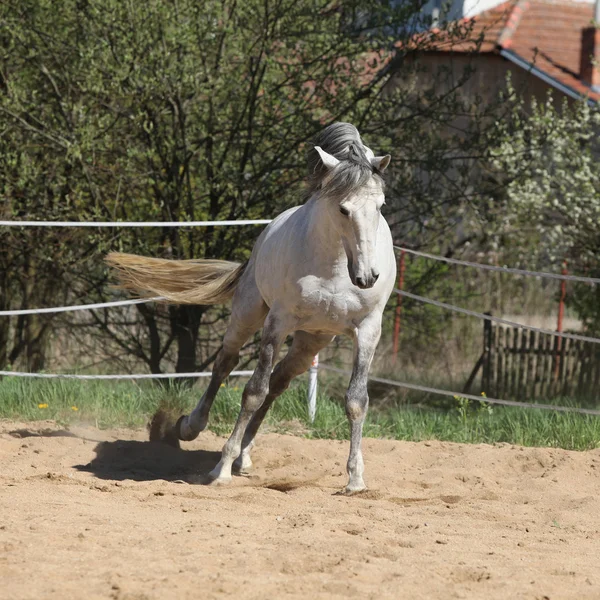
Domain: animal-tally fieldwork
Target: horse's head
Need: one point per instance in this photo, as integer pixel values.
(353, 190)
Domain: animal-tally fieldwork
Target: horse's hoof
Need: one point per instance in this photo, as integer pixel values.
(242, 467)
(220, 481)
(208, 479)
(241, 471)
(185, 434)
(348, 491)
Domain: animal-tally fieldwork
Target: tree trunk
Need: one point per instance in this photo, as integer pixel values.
(36, 333)
(154, 334)
(186, 323)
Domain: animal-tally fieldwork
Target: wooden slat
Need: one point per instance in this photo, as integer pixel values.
(595, 375)
(514, 375)
(539, 365)
(554, 380)
(531, 360)
(525, 361)
(506, 390)
(568, 370)
(564, 346)
(581, 369)
(522, 366)
(501, 344)
(589, 371)
(487, 350)
(494, 362)
(546, 364)
(575, 364)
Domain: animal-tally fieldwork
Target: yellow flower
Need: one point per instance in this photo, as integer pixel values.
(483, 394)
(222, 385)
(43, 405)
(74, 408)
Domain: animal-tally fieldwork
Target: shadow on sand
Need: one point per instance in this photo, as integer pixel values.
(148, 461)
(25, 433)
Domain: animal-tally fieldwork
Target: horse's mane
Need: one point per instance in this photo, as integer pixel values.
(343, 141)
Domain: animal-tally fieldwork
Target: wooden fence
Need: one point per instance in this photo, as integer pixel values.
(523, 365)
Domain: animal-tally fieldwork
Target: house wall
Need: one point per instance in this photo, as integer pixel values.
(487, 80)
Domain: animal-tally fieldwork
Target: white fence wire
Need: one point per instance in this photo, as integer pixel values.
(120, 376)
(465, 263)
(316, 365)
(472, 313)
(430, 390)
(134, 223)
(73, 308)
(312, 398)
(451, 307)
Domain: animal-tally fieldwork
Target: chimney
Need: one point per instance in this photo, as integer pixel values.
(590, 52)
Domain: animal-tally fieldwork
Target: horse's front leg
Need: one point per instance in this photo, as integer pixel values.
(366, 338)
(274, 333)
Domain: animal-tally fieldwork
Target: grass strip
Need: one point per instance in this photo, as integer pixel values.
(127, 404)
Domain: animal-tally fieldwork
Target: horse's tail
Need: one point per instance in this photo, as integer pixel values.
(177, 281)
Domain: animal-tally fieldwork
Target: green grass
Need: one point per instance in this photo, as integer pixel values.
(111, 404)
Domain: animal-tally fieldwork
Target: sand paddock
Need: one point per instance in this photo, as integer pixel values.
(105, 514)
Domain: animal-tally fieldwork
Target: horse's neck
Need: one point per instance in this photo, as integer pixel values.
(321, 229)
(322, 238)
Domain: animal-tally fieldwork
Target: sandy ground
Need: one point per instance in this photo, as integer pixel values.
(100, 514)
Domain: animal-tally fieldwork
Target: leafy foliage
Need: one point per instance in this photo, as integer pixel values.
(550, 156)
(181, 110)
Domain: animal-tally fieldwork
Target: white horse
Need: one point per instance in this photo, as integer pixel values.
(318, 270)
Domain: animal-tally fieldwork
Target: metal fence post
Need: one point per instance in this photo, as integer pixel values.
(401, 267)
(312, 388)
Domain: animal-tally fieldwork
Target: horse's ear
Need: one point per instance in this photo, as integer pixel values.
(381, 162)
(328, 160)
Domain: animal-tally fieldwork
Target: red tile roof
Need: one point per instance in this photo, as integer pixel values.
(546, 33)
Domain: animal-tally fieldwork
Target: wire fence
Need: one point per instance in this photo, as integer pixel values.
(449, 393)
(486, 317)
(512, 271)
(204, 374)
(130, 376)
(60, 309)
(134, 223)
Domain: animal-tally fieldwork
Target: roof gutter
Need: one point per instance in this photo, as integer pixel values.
(521, 62)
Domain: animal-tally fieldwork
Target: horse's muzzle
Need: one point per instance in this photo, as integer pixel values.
(364, 283)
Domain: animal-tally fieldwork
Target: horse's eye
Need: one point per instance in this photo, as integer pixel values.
(344, 211)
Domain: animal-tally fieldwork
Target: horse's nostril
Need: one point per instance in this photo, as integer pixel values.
(360, 282)
(375, 277)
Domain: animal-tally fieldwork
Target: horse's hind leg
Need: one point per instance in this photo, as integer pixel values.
(277, 326)
(298, 359)
(247, 317)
